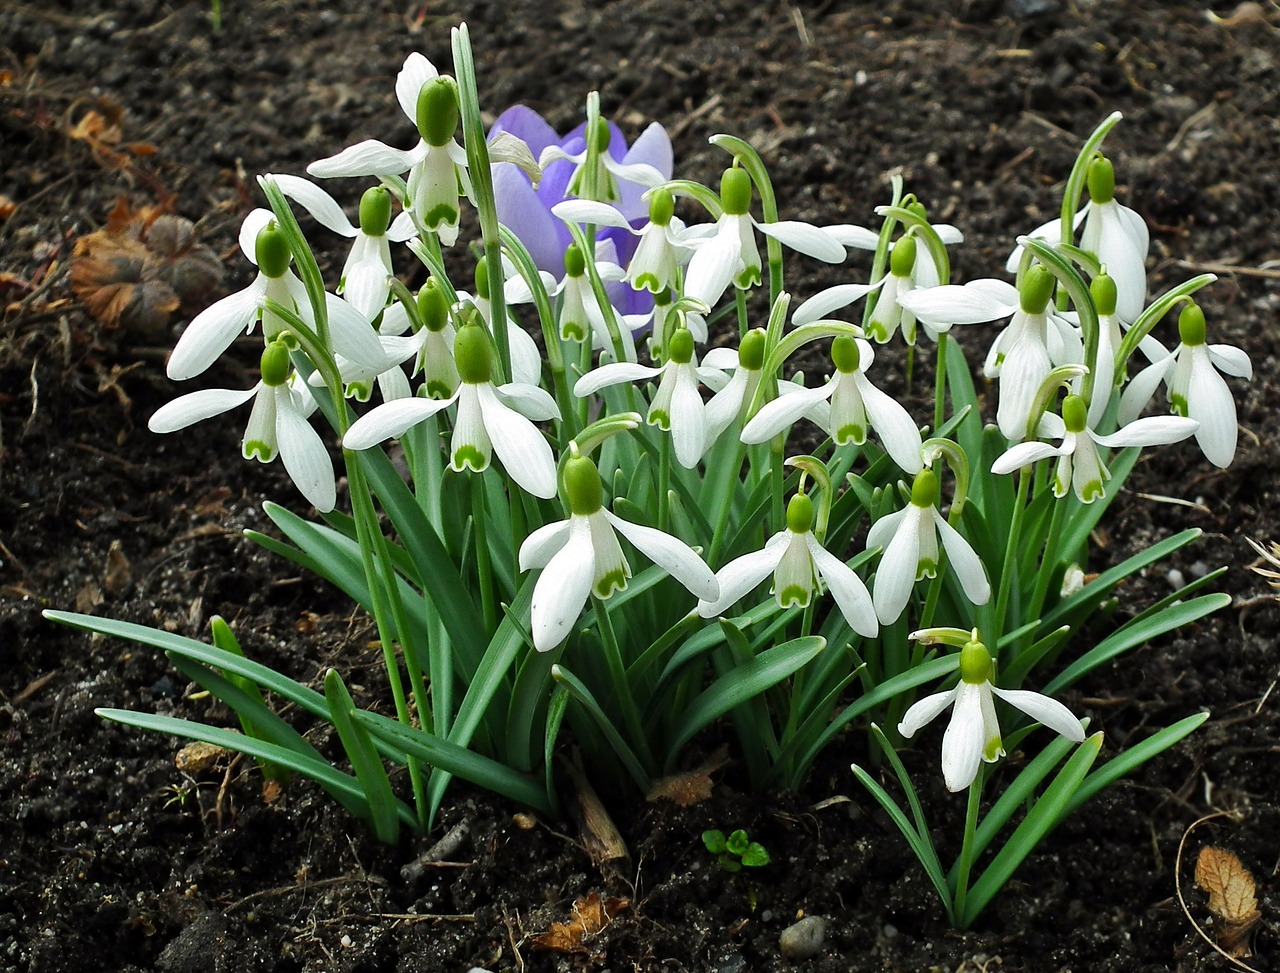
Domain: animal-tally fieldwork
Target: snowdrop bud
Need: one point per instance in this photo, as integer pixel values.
(975, 663)
(845, 354)
(575, 264)
(1035, 290)
(1191, 325)
(481, 279)
(433, 305)
(924, 491)
(662, 206)
(681, 348)
(472, 355)
(735, 191)
(800, 514)
(1102, 180)
(272, 250)
(582, 487)
(751, 350)
(375, 211)
(275, 365)
(902, 260)
(1103, 290)
(438, 111)
(1075, 414)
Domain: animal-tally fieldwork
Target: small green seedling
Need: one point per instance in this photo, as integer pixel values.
(735, 851)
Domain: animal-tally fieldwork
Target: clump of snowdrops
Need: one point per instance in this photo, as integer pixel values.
(605, 532)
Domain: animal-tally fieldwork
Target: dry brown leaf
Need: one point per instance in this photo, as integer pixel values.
(590, 915)
(94, 127)
(197, 758)
(1233, 897)
(690, 787)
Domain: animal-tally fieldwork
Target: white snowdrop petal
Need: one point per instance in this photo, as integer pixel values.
(831, 299)
(688, 419)
(813, 241)
(198, 406)
(353, 336)
(563, 589)
(882, 530)
(390, 421)
(1151, 431)
(958, 304)
(897, 430)
(846, 588)
(1022, 455)
(924, 711)
(304, 456)
(367, 158)
(315, 201)
(964, 560)
(857, 237)
(589, 211)
(782, 413)
(414, 73)
(541, 546)
(402, 228)
(713, 267)
(253, 224)
(614, 373)
(965, 739)
(896, 576)
(211, 331)
(1141, 388)
(1044, 709)
(671, 554)
(525, 453)
(1232, 360)
(1209, 401)
(742, 574)
(530, 401)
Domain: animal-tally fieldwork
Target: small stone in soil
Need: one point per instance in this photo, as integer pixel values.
(804, 938)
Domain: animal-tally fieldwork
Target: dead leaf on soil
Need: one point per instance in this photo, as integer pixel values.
(198, 758)
(1233, 897)
(590, 915)
(690, 787)
(119, 573)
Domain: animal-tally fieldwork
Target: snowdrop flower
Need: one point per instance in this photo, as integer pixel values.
(526, 359)
(910, 540)
(436, 165)
(846, 408)
(609, 171)
(434, 359)
(213, 330)
(973, 735)
(581, 316)
(1079, 465)
(677, 406)
(581, 557)
(730, 255)
(277, 425)
(800, 565)
(527, 210)
(1118, 237)
(368, 265)
(489, 420)
(1024, 353)
(747, 364)
(1194, 387)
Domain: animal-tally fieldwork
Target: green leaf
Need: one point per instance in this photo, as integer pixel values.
(714, 841)
(364, 759)
(584, 697)
(755, 856)
(1134, 757)
(737, 842)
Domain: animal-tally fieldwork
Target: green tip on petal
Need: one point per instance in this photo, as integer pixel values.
(1075, 414)
(433, 305)
(680, 349)
(800, 514)
(375, 211)
(1191, 325)
(1035, 290)
(1103, 289)
(662, 206)
(472, 355)
(438, 112)
(845, 354)
(1102, 180)
(751, 351)
(975, 663)
(735, 191)
(583, 490)
(902, 260)
(275, 364)
(575, 264)
(992, 750)
(924, 491)
(272, 250)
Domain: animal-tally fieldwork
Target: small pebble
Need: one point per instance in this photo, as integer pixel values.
(804, 938)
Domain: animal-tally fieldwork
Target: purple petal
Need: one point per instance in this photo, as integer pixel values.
(526, 124)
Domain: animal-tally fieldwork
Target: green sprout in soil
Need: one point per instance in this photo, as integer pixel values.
(735, 852)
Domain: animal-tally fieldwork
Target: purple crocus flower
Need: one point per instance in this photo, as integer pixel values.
(528, 211)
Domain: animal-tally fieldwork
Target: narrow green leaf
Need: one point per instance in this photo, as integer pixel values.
(364, 759)
(578, 690)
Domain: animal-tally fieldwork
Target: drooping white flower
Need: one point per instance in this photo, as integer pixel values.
(581, 556)
(1024, 353)
(1079, 466)
(846, 407)
(730, 255)
(677, 406)
(437, 165)
(609, 171)
(909, 538)
(277, 425)
(489, 420)
(213, 330)
(1194, 387)
(364, 275)
(662, 249)
(800, 566)
(973, 735)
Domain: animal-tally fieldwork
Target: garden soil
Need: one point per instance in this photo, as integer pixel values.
(117, 855)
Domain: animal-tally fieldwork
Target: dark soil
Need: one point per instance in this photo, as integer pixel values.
(111, 858)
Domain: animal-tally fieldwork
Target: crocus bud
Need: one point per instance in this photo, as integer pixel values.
(1035, 290)
(438, 113)
(735, 191)
(472, 354)
(1102, 180)
(272, 250)
(375, 211)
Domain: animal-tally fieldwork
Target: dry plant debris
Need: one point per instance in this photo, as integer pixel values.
(691, 786)
(1233, 898)
(590, 916)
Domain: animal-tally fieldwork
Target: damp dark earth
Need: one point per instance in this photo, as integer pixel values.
(121, 851)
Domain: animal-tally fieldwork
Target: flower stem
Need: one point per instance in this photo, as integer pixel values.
(1010, 555)
(484, 568)
(621, 687)
(964, 864)
(940, 384)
